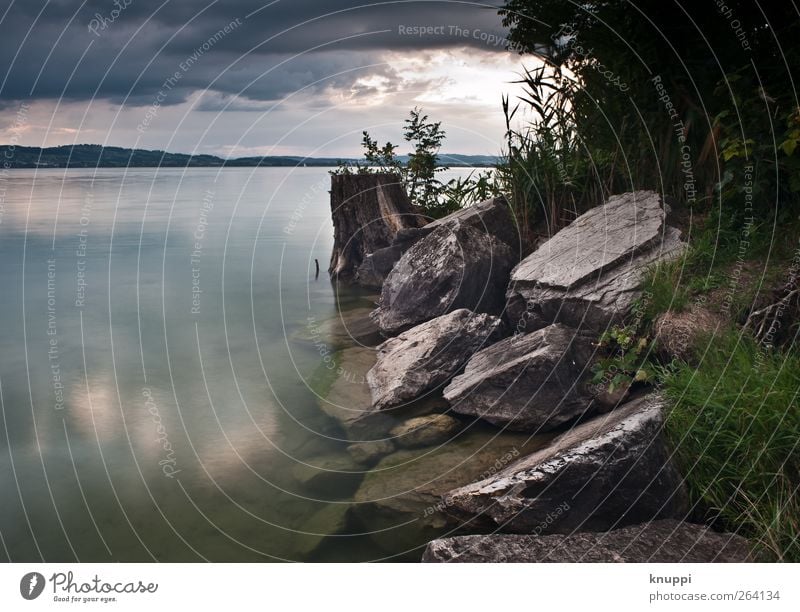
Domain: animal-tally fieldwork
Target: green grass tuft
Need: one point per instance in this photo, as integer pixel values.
(735, 428)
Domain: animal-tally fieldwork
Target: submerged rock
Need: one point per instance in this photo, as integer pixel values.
(345, 328)
(455, 266)
(329, 475)
(610, 471)
(591, 272)
(529, 382)
(348, 400)
(400, 499)
(665, 541)
(425, 430)
(427, 356)
(367, 453)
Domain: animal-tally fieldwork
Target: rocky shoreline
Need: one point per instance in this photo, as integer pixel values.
(476, 406)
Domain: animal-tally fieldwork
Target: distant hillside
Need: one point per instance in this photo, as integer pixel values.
(97, 156)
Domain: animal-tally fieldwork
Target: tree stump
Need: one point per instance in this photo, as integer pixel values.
(367, 210)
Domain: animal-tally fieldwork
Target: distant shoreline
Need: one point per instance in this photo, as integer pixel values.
(97, 156)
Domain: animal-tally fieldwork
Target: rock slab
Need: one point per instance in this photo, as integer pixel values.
(590, 273)
(664, 541)
(608, 472)
(455, 266)
(527, 382)
(427, 356)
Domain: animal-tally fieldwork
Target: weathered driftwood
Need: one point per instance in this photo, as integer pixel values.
(367, 210)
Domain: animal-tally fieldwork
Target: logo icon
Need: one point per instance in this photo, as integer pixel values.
(31, 585)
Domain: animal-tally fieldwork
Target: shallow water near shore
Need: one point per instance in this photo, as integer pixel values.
(165, 341)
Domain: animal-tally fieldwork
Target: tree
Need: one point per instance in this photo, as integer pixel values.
(426, 137)
(659, 81)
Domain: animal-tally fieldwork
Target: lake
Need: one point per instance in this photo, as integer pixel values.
(157, 373)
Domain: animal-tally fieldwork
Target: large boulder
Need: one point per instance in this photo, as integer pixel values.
(665, 541)
(455, 266)
(348, 399)
(611, 471)
(493, 216)
(590, 273)
(527, 382)
(427, 356)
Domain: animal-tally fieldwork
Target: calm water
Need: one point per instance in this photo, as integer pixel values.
(155, 365)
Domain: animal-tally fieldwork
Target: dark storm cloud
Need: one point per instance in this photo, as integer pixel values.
(128, 50)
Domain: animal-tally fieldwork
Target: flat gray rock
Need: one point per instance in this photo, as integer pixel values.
(427, 356)
(528, 382)
(591, 272)
(607, 472)
(455, 266)
(665, 541)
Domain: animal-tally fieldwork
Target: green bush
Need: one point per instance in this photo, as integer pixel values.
(735, 427)
(432, 197)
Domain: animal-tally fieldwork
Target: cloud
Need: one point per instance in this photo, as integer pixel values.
(249, 48)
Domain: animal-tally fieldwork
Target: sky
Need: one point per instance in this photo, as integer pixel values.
(251, 77)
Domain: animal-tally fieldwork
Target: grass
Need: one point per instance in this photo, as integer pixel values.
(735, 428)
(664, 289)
